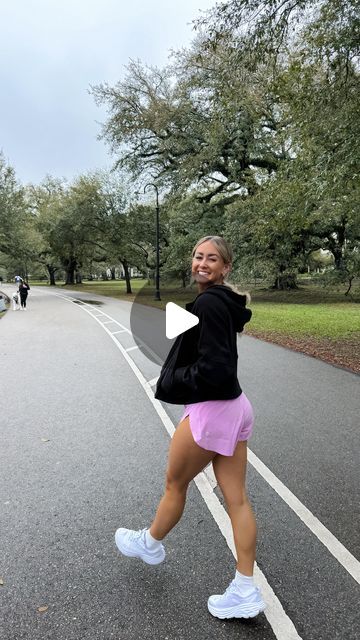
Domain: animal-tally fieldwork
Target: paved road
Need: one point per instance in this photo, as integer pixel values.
(83, 451)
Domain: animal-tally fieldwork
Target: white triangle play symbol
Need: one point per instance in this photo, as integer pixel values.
(178, 320)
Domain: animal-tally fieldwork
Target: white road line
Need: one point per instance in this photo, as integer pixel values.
(153, 382)
(131, 348)
(280, 622)
(336, 548)
(209, 472)
(151, 353)
(109, 321)
(115, 332)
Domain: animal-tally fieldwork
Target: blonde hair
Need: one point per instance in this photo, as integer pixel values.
(226, 253)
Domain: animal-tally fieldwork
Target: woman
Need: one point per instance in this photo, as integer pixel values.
(23, 290)
(201, 372)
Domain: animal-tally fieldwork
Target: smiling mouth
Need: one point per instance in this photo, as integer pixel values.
(202, 273)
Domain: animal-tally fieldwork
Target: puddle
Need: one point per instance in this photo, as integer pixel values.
(97, 303)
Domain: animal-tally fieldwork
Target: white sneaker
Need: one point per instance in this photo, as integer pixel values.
(232, 605)
(132, 544)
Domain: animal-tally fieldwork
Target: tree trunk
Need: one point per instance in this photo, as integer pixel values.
(285, 282)
(70, 267)
(125, 265)
(104, 275)
(78, 277)
(351, 278)
(337, 245)
(112, 273)
(338, 257)
(51, 272)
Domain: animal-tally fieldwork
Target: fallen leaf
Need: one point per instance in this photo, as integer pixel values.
(43, 609)
(1, 582)
(45, 440)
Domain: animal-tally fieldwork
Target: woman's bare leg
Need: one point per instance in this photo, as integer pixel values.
(186, 460)
(230, 473)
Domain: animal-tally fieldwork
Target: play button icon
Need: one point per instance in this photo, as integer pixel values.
(155, 329)
(178, 320)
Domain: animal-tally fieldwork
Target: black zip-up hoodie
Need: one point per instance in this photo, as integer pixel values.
(202, 362)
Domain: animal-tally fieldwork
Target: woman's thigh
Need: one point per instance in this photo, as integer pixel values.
(186, 458)
(230, 473)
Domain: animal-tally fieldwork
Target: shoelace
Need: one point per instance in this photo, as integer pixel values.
(136, 535)
(233, 588)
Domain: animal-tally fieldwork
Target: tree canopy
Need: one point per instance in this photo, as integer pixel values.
(251, 132)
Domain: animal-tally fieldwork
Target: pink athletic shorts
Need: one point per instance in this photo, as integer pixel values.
(218, 425)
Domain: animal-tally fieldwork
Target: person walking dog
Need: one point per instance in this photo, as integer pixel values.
(200, 372)
(23, 291)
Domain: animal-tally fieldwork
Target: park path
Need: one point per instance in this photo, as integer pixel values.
(81, 439)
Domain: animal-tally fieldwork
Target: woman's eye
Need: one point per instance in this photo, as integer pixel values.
(209, 259)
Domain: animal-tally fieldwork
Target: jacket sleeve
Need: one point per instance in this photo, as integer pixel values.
(215, 360)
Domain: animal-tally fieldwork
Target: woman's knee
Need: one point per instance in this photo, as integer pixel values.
(235, 500)
(175, 484)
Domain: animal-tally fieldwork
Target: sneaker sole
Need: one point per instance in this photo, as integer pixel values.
(250, 611)
(131, 554)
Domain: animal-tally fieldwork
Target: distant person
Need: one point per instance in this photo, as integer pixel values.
(23, 291)
(201, 372)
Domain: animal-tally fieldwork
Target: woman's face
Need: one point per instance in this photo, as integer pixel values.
(207, 266)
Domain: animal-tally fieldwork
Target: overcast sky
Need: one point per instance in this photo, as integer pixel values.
(52, 51)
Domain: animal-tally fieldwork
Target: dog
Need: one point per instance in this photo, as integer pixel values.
(15, 301)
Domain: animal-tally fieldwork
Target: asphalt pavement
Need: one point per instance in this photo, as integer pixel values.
(83, 451)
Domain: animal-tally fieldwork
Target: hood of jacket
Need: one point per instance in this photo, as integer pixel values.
(235, 302)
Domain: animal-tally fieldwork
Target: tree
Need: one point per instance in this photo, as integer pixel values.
(192, 127)
(272, 227)
(14, 213)
(70, 220)
(189, 220)
(45, 201)
(141, 236)
(320, 90)
(125, 228)
(311, 201)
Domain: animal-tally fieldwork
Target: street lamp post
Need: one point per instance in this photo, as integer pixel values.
(157, 272)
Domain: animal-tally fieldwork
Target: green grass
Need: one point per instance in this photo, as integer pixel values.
(309, 311)
(316, 320)
(113, 288)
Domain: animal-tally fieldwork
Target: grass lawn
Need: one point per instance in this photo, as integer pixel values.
(309, 311)
(319, 320)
